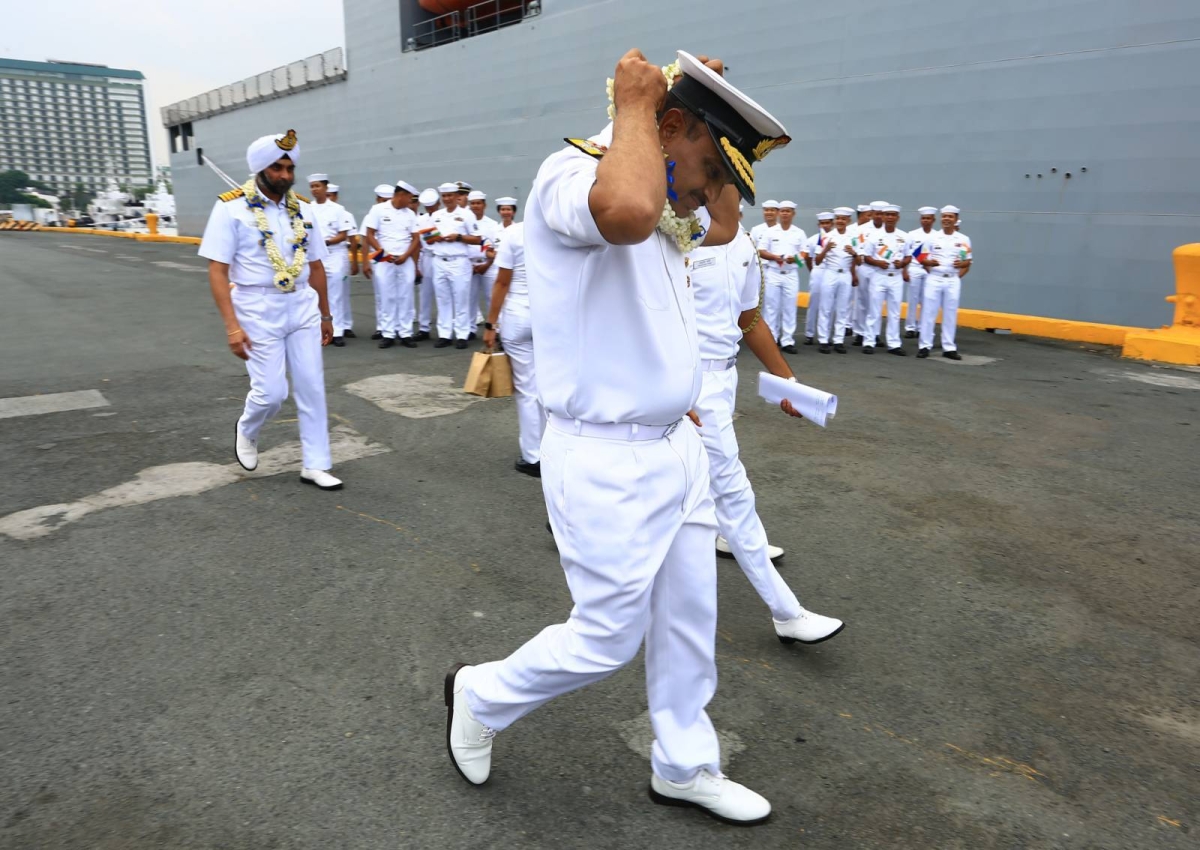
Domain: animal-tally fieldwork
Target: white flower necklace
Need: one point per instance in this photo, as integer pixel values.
(686, 232)
(285, 275)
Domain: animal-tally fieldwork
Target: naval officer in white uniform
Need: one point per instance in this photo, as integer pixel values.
(729, 284)
(624, 471)
(330, 218)
(276, 312)
(914, 272)
(948, 261)
(816, 275)
(430, 202)
(392, 237)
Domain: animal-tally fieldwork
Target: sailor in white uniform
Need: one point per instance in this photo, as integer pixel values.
(624, 471)
(508, 313)
(430, 202)
(392, 240)
(837, 259)
(453, 244)
(914, 272)
(483, 267)
(770, 214)
(383, 195)
(261, 238)
(949, 260)
(857, 308)
(728, 280)
(816, 275)
(350, 248)
(864, 293)
(887, 254)
(781, 254)
(331, 221)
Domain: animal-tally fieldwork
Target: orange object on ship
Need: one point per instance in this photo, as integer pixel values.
(445, 7)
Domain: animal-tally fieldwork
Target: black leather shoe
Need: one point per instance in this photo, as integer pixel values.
(839, 348)
(349, 334)
(899, 352)
(533, 470)
(377, 335)
(422, 336)
(387, 342)
(408, 342)
(825, 348)
(338, 342)
(858, 339)
(470, 336)
(952, 355)
(910, 334)
(460, 344)
(868, 349)
(879, 342)
(442, 343)
(923, 353)
(789, 349)
(808, 340)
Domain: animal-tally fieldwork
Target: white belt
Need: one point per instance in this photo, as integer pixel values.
(452, 256)
(890, 273)
(718, 365)
(629, 431)
(944, 274)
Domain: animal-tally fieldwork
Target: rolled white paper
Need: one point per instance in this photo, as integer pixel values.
(813, 404)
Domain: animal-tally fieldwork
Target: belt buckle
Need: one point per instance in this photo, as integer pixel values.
(671, 428)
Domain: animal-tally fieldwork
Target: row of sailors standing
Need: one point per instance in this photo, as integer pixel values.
(417, 248)
(856, 268)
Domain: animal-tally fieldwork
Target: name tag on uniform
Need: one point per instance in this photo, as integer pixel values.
(705, 263)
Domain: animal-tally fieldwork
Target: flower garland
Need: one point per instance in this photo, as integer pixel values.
(285, 275)
(685, 232)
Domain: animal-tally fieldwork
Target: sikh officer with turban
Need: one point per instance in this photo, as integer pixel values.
(266, 275)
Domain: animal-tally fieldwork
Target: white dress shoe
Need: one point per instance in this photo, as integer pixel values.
(468, 741)
(320, 478)
(246, 451)
(773, 552)
(718, 795)
(807, 628)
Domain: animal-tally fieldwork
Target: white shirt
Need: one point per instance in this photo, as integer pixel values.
(891, 248)
(488, 228)
(787, 244)
(394, 228)
(837, 260)
(946, 248)
(350, 225)
(232, 237)
(615, 324)
(362, 230)
(727, 282)
(758, 233)
(813, 245)
(330, 219)
(865, 237)
(460, 221)
(511, 255)
(917, 239)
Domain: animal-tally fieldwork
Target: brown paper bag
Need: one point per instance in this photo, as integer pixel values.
(479, 376)
(502, 382)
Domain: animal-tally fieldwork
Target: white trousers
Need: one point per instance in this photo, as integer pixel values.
(516, 332)
(378, 295)
(452, 286)
(736, 517)
(285, 335)
(780, 309)
(941, 293)
(481, 291)
(916, 286)
(424, 293)
(396, 288)
(888, 289)
(834, 302)
(816, 290)
(861, 295)
(337, 282)
(636, 532)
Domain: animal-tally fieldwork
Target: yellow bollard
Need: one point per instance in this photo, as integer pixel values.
(152, 223)
(1180, 342)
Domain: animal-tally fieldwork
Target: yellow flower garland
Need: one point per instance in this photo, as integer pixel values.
(286, 274)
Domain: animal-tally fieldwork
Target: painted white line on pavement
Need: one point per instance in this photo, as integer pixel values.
(181, 267)
(967, 360)
(414, 396)
(33, 405)
(180, 479)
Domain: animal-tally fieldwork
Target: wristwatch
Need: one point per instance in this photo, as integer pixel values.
(327, 318)
(488, 326)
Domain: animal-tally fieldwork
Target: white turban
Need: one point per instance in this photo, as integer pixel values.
(264, 151)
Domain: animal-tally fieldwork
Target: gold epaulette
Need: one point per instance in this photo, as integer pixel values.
(588, 147)
(301, 197)
(232, 194)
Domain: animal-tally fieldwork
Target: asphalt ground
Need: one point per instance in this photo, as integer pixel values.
(196, 657)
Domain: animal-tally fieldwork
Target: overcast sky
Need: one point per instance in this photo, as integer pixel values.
(182, 48)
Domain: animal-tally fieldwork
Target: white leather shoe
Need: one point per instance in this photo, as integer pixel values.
(468, 741)
(246, 451)
(320, 478)
(807, 628)
(718, 795)
(773, 552)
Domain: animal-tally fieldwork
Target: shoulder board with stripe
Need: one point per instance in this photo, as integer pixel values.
(232, 194)
(588, 147)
